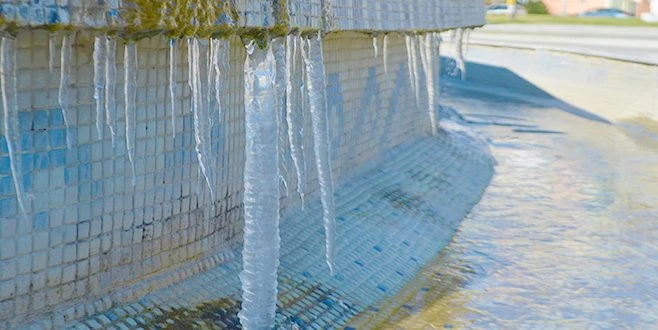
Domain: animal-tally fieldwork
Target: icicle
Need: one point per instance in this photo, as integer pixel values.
(220, 68)
(111, 86)
(279, 51)
(374, 45)
(428, 67)
(65, 74)
(52, 52)
(200, 109)
(130, 93)
(437, 43)
(173, 60)
(467, 38)
(292, 102)
(260, 252)
(460, 53)
(99, 81)
(316, 88)
(302, 111)
(407, 41)
(385, 55)
(191, 81)
(11, 124)
(414, 67)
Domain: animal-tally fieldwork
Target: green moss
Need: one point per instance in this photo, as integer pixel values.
(281, 18)
(177, 19)
(258, 35)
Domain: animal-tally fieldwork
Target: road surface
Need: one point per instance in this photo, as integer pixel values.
(636, 44)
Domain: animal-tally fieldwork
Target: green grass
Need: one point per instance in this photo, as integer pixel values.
(548, 19)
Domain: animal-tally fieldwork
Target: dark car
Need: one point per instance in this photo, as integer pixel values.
(606, 12)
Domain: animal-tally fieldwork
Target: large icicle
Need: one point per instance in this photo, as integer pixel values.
(173, 59)
(99, 82)
(303, 101)
(292, 103)
(200, 109)
(64, 88)
(414, 68)
(260, 252)
(407, 42)
(130, 93)
(428, 67)
(111, 86)
(385, 53)
(11, 124)
(374, 45)
(279, 52)
(316, 88)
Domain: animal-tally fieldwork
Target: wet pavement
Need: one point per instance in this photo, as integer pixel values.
(564, 237)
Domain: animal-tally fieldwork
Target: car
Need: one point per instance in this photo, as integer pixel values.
(606, 12)
(505, 10)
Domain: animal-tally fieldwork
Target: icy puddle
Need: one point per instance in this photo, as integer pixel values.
(564, 237)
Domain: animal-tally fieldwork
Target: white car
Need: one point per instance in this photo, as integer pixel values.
(505, 10)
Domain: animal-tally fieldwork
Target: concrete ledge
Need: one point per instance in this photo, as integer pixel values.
(200, 15)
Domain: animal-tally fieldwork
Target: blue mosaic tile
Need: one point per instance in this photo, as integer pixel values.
(3, 145)
(56, 118)
(5, 167)
(26, 141)
(8, 207)
(41, 161)
(41, 142)
(57, 158)
(41, 120)
(84, 153)
(27, 182)
(27, 163)
(40, 221)
(71, 176)
(57, 138)
(6, 185)
(25, 121)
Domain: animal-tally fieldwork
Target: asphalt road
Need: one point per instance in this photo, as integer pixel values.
(637, 44)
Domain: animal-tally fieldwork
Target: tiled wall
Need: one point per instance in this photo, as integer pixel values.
(90, 236)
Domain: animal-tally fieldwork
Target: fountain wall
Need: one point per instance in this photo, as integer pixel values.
(89, 237)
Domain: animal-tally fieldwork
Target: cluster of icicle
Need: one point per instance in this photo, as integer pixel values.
(205, 56)
(427, 45)
(269, 72)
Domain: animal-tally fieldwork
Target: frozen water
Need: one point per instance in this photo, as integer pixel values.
(279, 51)
(260, 252)
(385, 53)
(111, 86)
(99, 82)
(64, 83)
(293, 109)
(200, 108)
(10, 115)
(130, 94)
(426, 47)
(316, 88)
(173, 60)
